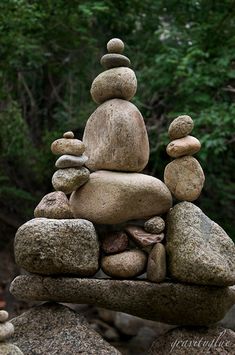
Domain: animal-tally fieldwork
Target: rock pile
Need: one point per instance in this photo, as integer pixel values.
(6, 332)
(122, 221)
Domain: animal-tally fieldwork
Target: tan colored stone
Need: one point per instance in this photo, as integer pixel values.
(68, 134)
(114, 242)
(112, 197)
(166, 302)
(114, 60)
(9, 349)
(188, 145)
(54, 205)
(155, 225)
(142, 238)
(185, 178)
(6, 330)
(67, 146)
(52, 247)
(180, 127)
(3, 316)
(124, 265)
(69, 180)
(116, 138)
(156, 268)
(114, 83)
(115, 45)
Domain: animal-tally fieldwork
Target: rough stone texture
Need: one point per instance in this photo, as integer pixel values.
(54, 205)
(114, 83)
(167, 302)
(114, 242)
(111, 198)
(67, 146)
(142, 238)
(70, 161)
(116, 138)
(6, 330)
(115, 45)
(188, 145)
(229, 320)
(199, 251)
(68, 134)
(9, 349)
(56, 329)
(195, 341)
(3, 316)
(125, 265)
(185, 178)
(114, 60)
(156, 268)
(180, 127)
(52, 246)
(69, 180)
(155, 225)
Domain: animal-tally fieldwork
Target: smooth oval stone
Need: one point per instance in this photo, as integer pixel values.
(114, 83)
(198, 250)
(155, 225)
(70, 161)
(57, 246)
(180, 127)
(54, 205)
(9, 349)
(116, 138)
(114, 242)
(6, 330)
(124, 265)
(156, 268)
(115, 45)
(114, 60)
(142, 238)
(114, 197)
(3, 316)
(68, 134)
(185, 178)
(67, 146)
(188, 145)
(69, 180)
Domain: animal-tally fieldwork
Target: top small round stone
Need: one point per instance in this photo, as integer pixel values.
(3, 316)
(115, 45)
(68, 135)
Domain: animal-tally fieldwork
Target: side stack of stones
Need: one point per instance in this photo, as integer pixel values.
(6, 331)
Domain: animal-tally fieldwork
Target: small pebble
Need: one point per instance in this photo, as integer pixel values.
(113, 60)
(180, 127)
(3, 316)
(68, 134)
(6, 330)
(67, 146)
(115, 45)
(142, 238)
(155, 225)
(156, 268)
(69, 180)
(70, 161)
(188, 145)
(114, 242)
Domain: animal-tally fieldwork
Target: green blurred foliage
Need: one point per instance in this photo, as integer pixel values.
(183, 55)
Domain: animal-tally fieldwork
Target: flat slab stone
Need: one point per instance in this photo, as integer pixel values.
(171, 303)
(56, 329)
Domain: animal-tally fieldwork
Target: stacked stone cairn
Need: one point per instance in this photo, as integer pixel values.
(6, 331)
(158, 261)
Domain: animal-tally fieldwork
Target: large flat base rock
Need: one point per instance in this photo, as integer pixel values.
(56, 329)
(171, 303)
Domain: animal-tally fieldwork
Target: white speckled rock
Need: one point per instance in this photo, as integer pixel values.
(125, 265)
(69, 180)
(70, 161)
(6, 330)
(52, 246)
(114, 83)
(185, 178)
(3, 316)
(67, 146)
(188, 145)
(199, 251)
(116, 138)
(112, 197)
(180, 127)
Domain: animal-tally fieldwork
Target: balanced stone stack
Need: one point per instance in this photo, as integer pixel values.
(122, 221)
(6, 331)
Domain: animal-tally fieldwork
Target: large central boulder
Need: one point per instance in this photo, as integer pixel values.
(115, 197)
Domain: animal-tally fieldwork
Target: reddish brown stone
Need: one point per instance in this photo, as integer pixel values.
(114, 242)
(143, 238)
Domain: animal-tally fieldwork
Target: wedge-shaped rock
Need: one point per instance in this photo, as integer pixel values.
(167, 302)
(111, 197)
(199, 251)
(51, 246)
(54, 205)
(116, 138)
